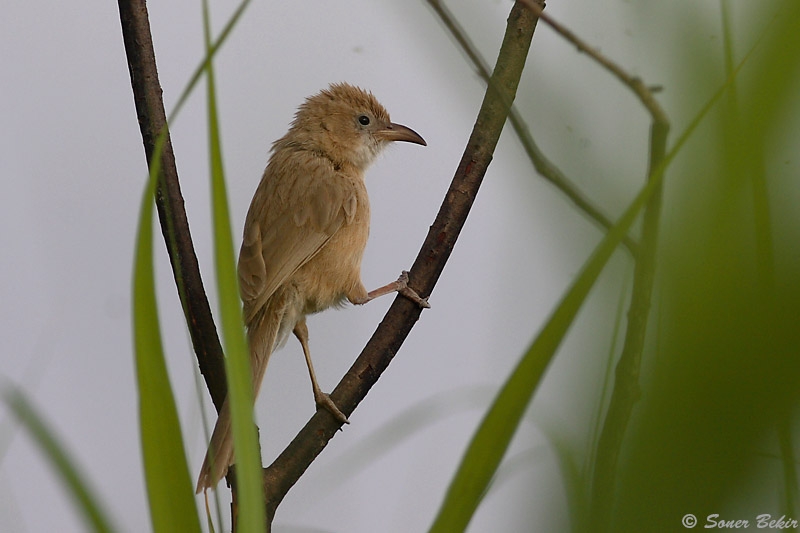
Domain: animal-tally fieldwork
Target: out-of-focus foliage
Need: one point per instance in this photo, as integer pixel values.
(723, 368)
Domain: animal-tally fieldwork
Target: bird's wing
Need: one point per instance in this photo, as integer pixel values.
(294, 224)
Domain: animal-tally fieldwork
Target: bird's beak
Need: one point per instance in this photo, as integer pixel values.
(398, 132)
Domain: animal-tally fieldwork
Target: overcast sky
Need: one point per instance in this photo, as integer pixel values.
(73, 170)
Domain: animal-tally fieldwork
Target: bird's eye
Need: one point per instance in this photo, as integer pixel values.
(363, 120)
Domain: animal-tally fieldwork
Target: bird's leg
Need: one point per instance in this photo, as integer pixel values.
(320, 398)
(399, 286)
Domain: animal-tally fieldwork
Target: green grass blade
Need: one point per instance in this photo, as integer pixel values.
(169, 488)
(215, 46)
(252, 514)
(88, 503)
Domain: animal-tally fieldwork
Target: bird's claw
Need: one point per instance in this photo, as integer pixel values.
(324, 401)
(410, 293)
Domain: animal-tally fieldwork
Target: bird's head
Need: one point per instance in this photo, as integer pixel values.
(347, 125)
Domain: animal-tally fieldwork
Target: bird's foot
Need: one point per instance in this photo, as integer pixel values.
(408, 292)
(324, 401)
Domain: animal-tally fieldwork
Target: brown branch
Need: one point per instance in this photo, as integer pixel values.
(169, 201)
(546, 168)
(282, 474)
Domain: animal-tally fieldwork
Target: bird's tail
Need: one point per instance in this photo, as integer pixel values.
(265, 333)
(219, 455)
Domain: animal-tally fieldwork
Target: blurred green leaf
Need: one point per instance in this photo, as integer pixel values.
(727, 371)
(169, 488)
(88, 504)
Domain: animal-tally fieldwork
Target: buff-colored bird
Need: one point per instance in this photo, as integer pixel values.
(305, 234)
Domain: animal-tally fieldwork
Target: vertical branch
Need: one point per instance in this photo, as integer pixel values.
(169, 201)
(626, 390)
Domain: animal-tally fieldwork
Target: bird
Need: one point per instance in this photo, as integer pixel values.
(304, 237)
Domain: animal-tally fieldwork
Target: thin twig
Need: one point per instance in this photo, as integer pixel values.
(546, 168)
(282, 474)
(642, 91)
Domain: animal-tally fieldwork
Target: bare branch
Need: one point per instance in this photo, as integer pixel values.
(642, 91)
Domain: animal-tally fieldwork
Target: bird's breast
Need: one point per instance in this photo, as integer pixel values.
(333, 272)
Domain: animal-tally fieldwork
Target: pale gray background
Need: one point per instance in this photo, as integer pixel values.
(73, 171)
